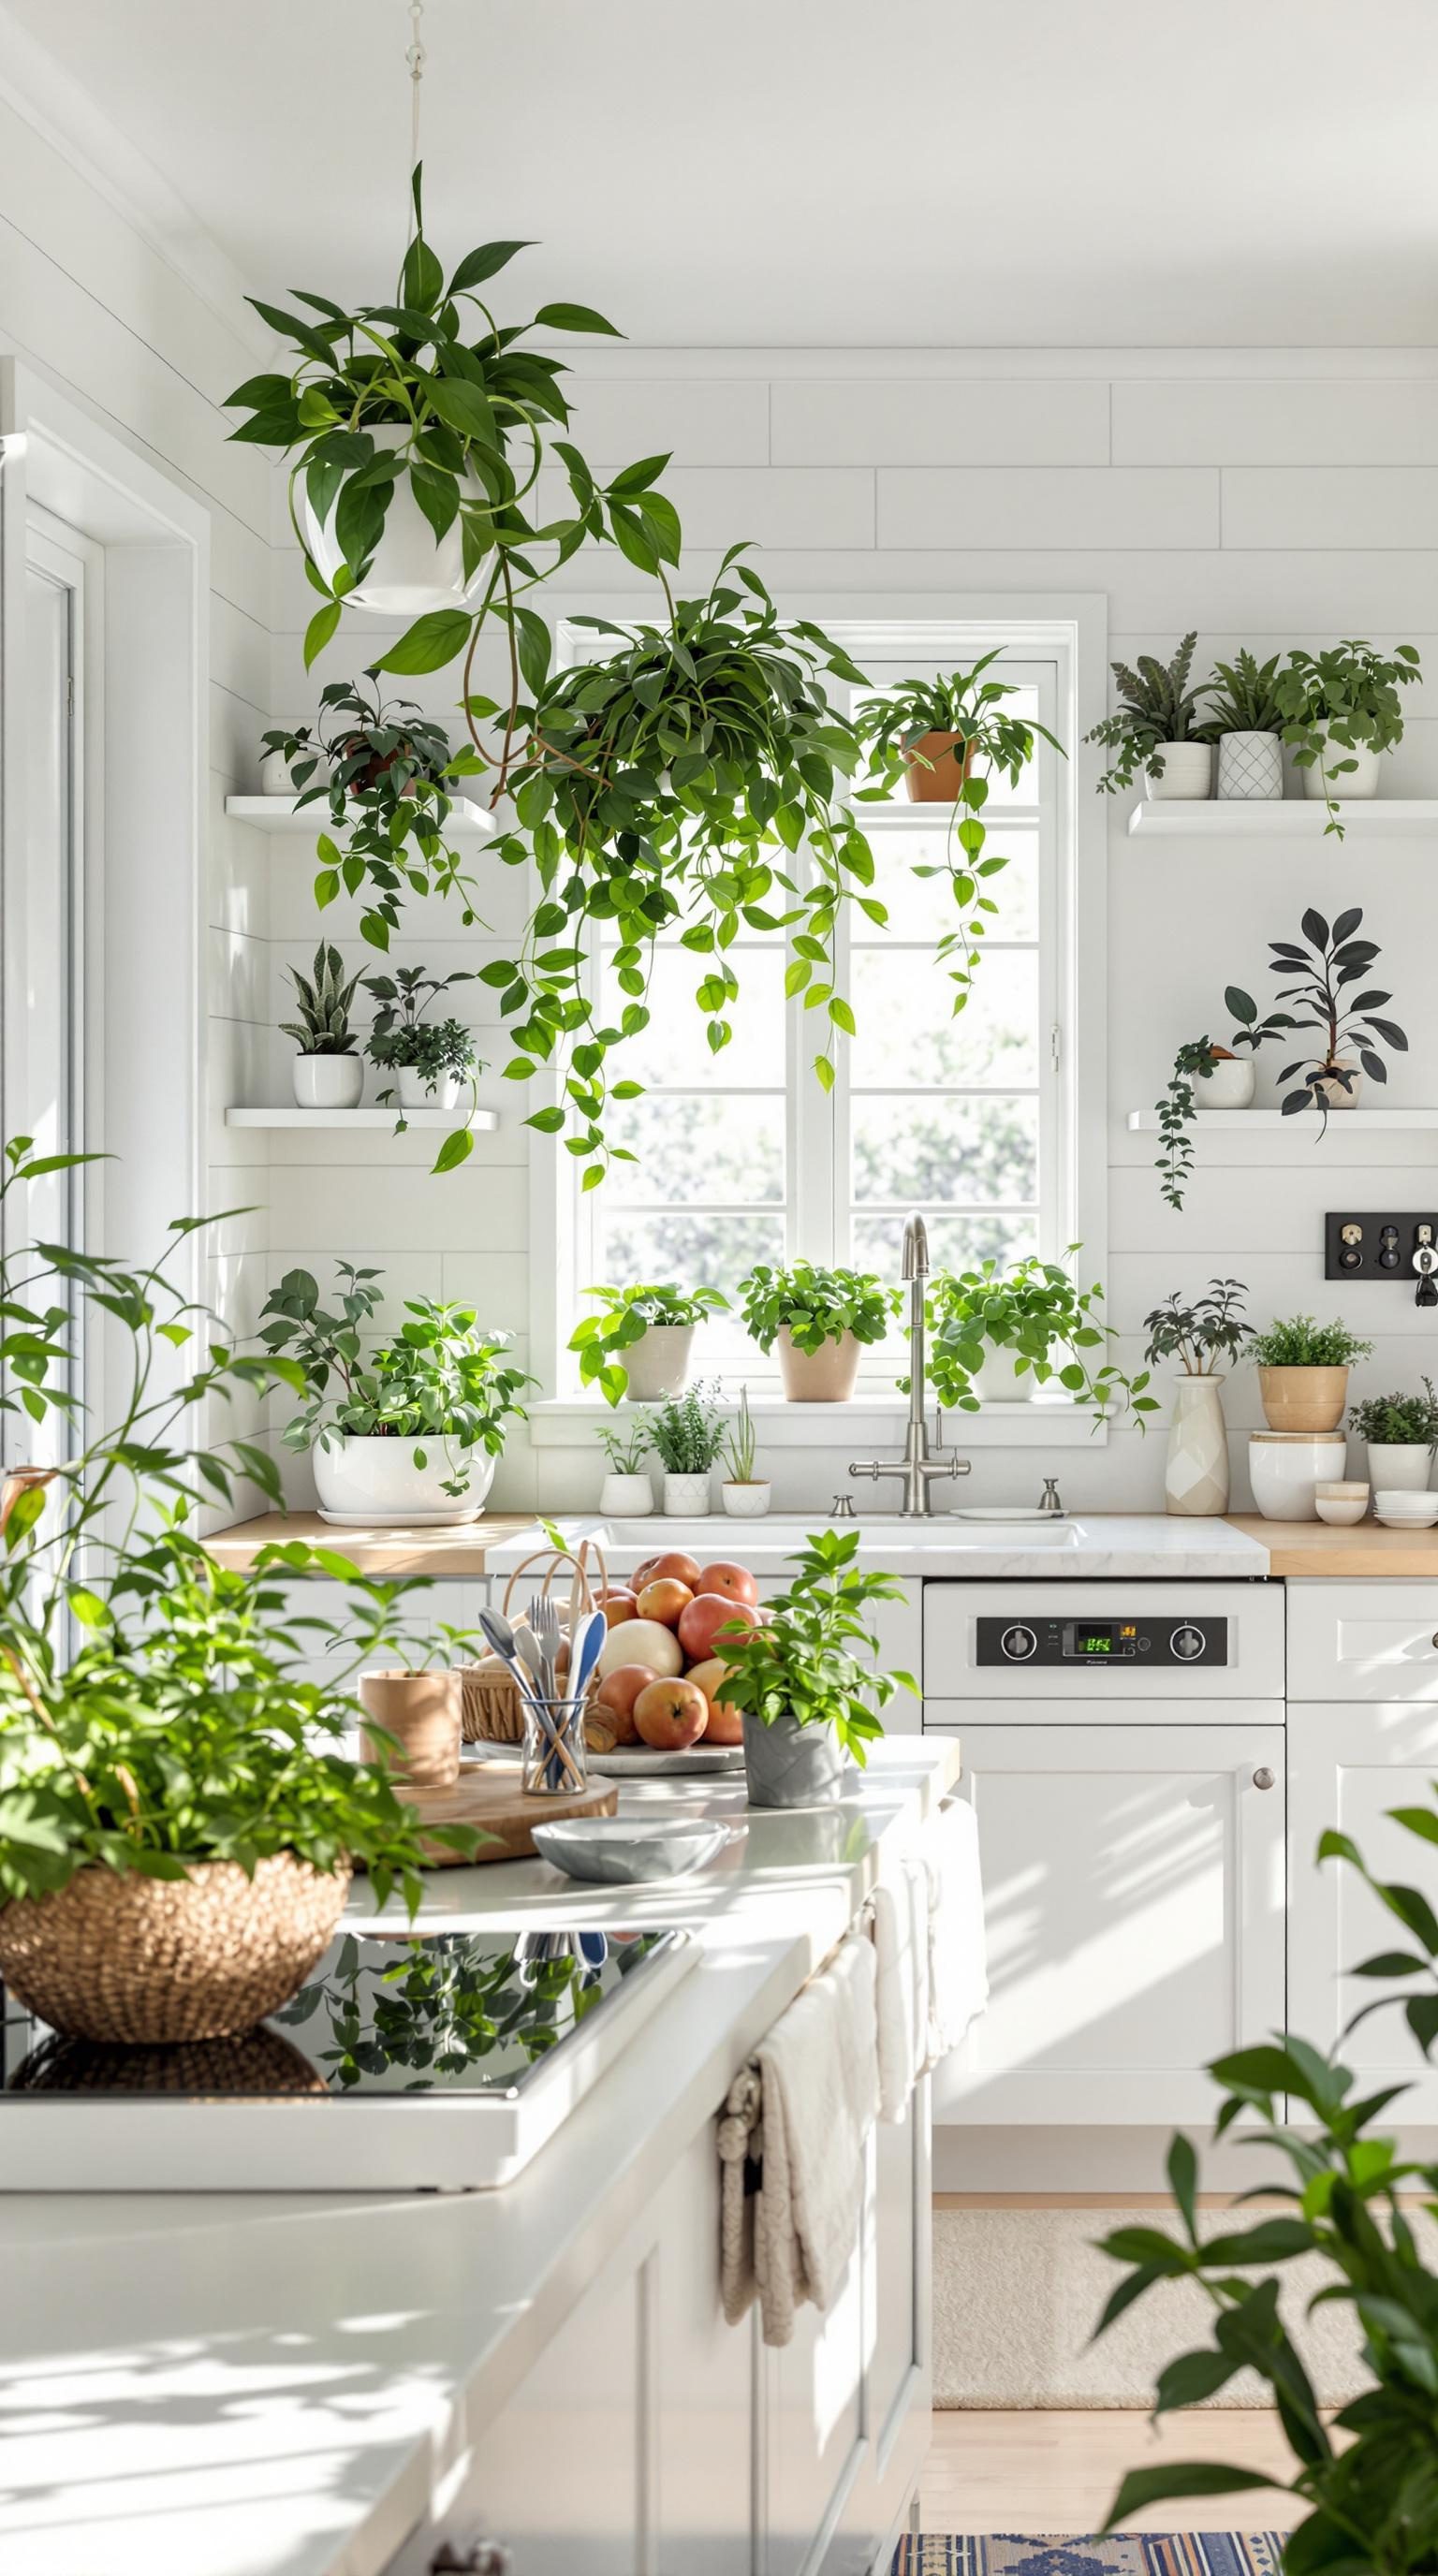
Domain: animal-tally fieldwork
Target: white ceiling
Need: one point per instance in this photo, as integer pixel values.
(829, 173)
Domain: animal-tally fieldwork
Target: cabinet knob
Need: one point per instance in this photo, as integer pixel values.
(1263, 1779)
(482, 2558)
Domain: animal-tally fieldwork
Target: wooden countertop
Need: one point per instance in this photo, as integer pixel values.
(1311, 1550)
(461, 1550)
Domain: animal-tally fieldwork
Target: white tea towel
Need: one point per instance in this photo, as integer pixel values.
(793, 2146)
(958, 1962)
(901, 1960)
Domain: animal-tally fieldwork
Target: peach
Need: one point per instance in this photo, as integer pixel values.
(726, 1724)
(618, 1606)
(663, 1599)
(674, 1568)
(617, 1694)
(670, 1715)
(734, 1580)
(707, 1614)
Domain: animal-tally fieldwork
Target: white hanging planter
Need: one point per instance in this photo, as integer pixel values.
(410, 573)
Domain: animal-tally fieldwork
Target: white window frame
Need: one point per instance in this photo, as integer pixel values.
(1071, 631)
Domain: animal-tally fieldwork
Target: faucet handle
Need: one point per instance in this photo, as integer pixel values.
(1049, 1498)
(843, 1509)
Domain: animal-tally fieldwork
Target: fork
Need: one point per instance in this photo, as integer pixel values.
(544, 1621)
(545, 1628)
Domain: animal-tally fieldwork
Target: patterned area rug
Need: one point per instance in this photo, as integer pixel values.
(1133, 2553)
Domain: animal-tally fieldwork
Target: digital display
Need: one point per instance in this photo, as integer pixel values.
(1083, 1639)
(1095, 1641)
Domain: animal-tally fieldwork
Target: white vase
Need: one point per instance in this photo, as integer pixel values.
(379, 1478)
(275, 779)
(409, 573)
(1285, 1468)
(328, 1081)
(746, 1502)
(1250, 769)
(997, 1383)
(427, 1091)
(1195, 1477)
(1228, 1084)
(1346, 784)
(1187, 771)
(686, 1498)
(626, 1498)
(658, 1363)
(1399, 1466)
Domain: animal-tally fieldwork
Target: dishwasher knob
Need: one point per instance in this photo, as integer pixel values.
(1018, 1644)
(1187, 1644)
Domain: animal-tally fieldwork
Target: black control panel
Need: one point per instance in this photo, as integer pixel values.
(1100, 1642)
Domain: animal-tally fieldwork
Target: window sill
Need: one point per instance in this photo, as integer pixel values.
(569, 1422)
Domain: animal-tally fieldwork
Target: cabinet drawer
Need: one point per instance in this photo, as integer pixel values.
(1363, 1641)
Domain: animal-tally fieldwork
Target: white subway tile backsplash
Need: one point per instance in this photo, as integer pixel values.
(1058, 507)
(903, 422)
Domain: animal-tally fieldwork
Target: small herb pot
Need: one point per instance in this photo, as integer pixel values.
(626, 1498)
(419, 1090)
(1399, 1466)
(1250, 769)
(1187, 772)
(825, 1376)
(788, 1765)
(658, 1363)
(328, 1081)
(423, 1712)
(748, 1501)
(1303, 1399)
(686, 1498)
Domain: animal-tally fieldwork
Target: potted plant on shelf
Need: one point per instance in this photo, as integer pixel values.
(686, 1435)
(641, 1339)
(1303, 1373)
(1209, 1076)
(745, 1496)
(411, 1427)
(807, 1698)
(327, 1073)
(626, 1492)
(1199, 1336)
(1326, 962)
(1341, 709)
(1401, 1432)
(820, 1320)
(413, 1705)
(998, 1333)
(1248, 720)
(430, 1059)
(1157, 729)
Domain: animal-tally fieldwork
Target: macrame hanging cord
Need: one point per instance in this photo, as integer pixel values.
(414, 56)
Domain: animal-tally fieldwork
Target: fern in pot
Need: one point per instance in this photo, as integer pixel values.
(1401, 1432)
(745, 1496)
(1245, 713)
(1157, 730)
(328, 1072)
(687, 1434)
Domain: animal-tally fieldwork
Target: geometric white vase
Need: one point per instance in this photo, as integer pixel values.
(1250, 769)
(1195, 1478)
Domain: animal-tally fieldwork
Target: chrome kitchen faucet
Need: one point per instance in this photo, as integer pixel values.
(917, 1467)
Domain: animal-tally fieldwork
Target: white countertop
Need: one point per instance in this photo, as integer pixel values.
(273, 2385)
(1086, 1546)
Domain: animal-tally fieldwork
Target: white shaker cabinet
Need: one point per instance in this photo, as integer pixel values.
(1134, 1893)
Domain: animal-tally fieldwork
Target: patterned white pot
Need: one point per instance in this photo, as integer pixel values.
(328, 1081)
(626, 1498)
(1361, 780)
(1195, 1477)
(1187, 771)
(686, 1498)
(1250, 768)
(1398, 1466)
(748, 1502)
(1229, 1084)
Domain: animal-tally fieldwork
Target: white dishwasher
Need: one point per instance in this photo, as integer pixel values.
(1123, 1746)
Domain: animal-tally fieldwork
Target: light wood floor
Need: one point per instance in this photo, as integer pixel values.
(1058, 2469)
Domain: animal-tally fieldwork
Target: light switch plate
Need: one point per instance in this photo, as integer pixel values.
(1359, 1244)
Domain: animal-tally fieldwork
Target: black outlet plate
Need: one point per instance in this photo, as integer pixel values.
(1371, 1263)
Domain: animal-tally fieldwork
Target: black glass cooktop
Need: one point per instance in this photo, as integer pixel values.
(460, 2013)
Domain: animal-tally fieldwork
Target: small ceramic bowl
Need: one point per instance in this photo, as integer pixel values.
(623, 1851)
(1399, 1510)
(1340, 1510)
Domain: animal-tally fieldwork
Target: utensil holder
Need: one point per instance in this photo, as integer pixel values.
(493, 1709)
(556, 1762)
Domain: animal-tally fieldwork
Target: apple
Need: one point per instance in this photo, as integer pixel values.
(704, 1617)
(726, 1724)
(671, 1714)
(663, 1599)
(617, 1606)
(673, 1569)
(617, 1694)
(643, 1574)
(641, 1641)
(734, 1580)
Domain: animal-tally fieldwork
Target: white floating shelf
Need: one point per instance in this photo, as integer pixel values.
(483, 1121)
(285, 814)
(1291, 817)
(1303, 1122)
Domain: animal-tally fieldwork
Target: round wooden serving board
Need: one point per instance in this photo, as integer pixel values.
(488, 1794)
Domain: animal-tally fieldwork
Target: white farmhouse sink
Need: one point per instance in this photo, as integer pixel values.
(720, 1536)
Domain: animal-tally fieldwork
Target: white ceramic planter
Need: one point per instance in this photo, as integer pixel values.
(410, 574)
(379, 1478)
(1250, 769)
(1285, 1468)
(1230, 1084)
(626, 1498)
(1399, 1466)
(1195, 1478)
(328, 1081)
(998, 1383)
(1341, 1095)
(1187, 771)
(747, 1502)
(1348, 784)
(658, 1363)
(686, 1498)
(275, 777)
(417, 1091)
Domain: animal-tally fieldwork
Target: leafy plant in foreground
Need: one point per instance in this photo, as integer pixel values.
(802, 1663)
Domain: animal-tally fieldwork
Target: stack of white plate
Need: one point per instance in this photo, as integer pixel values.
(1398, 1510)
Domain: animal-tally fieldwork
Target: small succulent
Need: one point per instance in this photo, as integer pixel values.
(324, 995)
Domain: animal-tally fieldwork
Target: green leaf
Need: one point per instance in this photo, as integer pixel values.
(485, 262)
(573, 317)
(462, 407)
(319, 631)
(432, 641)
(1179, 2478)
(455, 1149)
(422, 276)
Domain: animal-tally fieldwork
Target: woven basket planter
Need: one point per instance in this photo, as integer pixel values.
(162, 1959)
(261, 2061)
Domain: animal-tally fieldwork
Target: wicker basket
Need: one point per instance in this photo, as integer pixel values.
(493, 1712)
(260, 2062)
(161, 1959)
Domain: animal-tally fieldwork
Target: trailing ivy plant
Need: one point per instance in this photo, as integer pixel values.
(970, 706)
(1049, 1326)
(1339, 702)
(1194, 1060)
(1155, 706)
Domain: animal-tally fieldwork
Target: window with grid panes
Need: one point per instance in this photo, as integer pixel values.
(741, 1157)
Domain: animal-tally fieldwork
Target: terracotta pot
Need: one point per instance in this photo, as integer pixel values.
(934, 772)
(1303, 1399)
(162, 1959)
(825, 1376)
(424, 1712)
